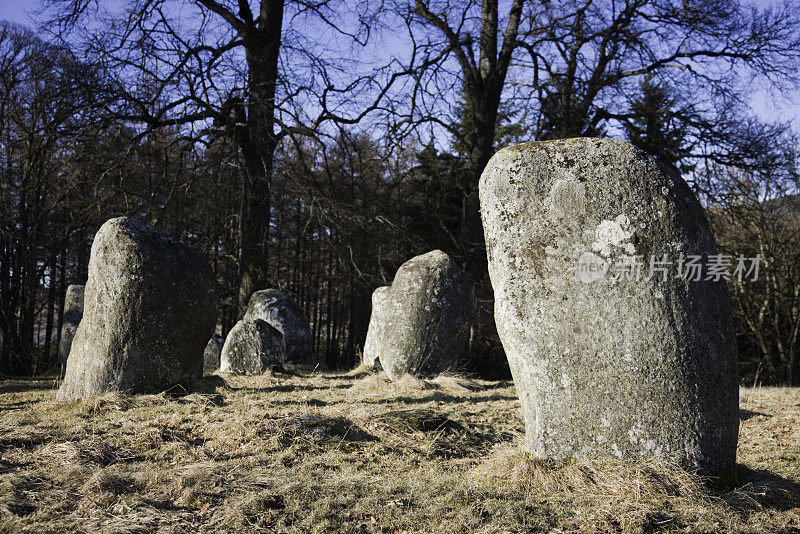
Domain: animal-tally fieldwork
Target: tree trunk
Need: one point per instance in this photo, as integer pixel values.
(51, 303)
(255, 134)
(61, 295)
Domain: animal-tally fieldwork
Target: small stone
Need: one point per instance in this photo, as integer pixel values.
(73, 313)
(211, 356)
(422, 327)
(252, 347)
(281, 311)
(371, 358)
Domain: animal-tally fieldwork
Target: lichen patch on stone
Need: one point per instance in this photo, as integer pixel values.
(611, 235)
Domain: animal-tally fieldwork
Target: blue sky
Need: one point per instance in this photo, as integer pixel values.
(14, 10)
(767, 104)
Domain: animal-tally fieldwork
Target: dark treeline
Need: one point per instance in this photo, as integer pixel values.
(289, 167)
(344, 215)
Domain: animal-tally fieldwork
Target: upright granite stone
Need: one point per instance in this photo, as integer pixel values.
(149, 309)
(212, 354)
(371, 356)
(281, 311)
(423, 326)
(252, 347)
(609, 359)
(73, 312)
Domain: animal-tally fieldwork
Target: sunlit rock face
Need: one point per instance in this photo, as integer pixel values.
(422, 326)
(73, 313)
(252, 347)
(150, 306)
(371, 356)
(281, 311)
(607, 364)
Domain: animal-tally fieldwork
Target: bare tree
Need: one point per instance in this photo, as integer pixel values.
(217, 68)
(574, 68)
(756, 212)
(41, 112)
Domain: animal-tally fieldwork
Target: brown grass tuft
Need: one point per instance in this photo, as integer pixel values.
(416, 420)
(104, 481)
(84, 452)
(107, 402)
(379, 384)
(617, 494)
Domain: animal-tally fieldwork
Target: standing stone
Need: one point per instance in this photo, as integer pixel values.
(608, 364)
(252, 347)
(149, 309)
(371, 356)
(73, 312)
(211, 356)
(422, 329)
(281, 311)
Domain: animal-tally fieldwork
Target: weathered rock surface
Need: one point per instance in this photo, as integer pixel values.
(211, 356)
(371, 356)
(252, 347)
(281, 311)
(423, 325)
(607, 366)
(73, 313)
(149, 309)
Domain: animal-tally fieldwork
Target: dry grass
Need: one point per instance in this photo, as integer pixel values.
(377, 385)
(298, 452)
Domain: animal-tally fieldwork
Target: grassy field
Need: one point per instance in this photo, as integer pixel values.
(353, 452)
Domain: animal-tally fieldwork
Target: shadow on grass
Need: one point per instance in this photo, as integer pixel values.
(318, 428)
(438, 396)
(759, 488)
(9, 466)
(25, 443)
(17, 405)
(23, 384)
(285, 388)
(744, 415)
(350, 377)
(301, 402)
(502, 384)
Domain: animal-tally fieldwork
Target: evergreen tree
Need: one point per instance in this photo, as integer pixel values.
(654, 128)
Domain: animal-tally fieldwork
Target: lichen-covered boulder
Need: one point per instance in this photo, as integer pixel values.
(149, 308)
(371, 356)
(212, 354)
(252, 347)
(423, 326)
(73, 312)
(281, 311)
(608, 364)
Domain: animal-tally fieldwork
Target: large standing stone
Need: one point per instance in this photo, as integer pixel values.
(212, 354)
(252, 347)
(423, 326)
(371, 356)
(606, 365)
(149, 309)
(281, 311)
(73, 312)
